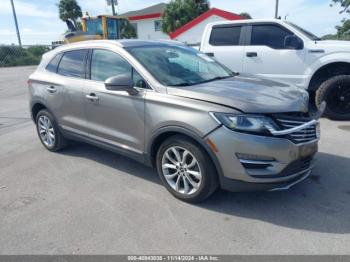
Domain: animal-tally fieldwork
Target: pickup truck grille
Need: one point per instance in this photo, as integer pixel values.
(301, 136)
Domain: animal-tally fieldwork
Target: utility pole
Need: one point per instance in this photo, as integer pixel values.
(113, 9)
(276, 10)
(16, 24)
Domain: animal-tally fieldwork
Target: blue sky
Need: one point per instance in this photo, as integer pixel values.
(39, 23)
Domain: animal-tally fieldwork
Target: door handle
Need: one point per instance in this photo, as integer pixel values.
(252, 54)
(51, 89)
(92, 97)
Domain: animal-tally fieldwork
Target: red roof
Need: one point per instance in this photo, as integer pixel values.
(202, 17)
(148, 16)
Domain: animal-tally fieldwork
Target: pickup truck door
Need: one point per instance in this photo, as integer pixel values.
(266, 55)
(225, 45)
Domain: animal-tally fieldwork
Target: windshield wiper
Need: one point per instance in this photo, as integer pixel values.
(183, 84)
(214, 79)
(206, 81)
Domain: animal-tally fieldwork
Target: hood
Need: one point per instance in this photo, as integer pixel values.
(333, 43)
(331, 46)
(247, 94)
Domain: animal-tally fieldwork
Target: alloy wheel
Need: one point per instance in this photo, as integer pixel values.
(181, 170)
(46, 131)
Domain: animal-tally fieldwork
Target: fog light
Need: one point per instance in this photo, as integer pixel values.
(252, 157)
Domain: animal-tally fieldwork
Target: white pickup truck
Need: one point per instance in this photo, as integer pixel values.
(282, 51)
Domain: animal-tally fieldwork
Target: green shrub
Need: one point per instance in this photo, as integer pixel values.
(19, 56)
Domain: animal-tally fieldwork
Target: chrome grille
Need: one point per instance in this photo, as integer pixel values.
(301, 136)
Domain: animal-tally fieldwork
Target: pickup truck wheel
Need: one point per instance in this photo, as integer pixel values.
(48, 132)
(186, 170)
(336, 92)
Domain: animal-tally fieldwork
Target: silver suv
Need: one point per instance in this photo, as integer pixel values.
(174, 108)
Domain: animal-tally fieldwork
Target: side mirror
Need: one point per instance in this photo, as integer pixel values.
(121, 83)
(293, 42)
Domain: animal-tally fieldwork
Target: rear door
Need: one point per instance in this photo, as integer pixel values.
(225, 43)
(65, 91)
(266, 54)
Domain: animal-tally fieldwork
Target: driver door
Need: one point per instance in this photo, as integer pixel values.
(267, 57)
(115, 118)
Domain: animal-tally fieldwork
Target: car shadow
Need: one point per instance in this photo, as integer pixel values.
(113, 160)
(320, 203)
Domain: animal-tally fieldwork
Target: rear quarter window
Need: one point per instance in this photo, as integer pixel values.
(52, 65)
(225, 35)
(73, 64)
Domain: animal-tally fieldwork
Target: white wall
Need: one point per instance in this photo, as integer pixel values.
(145, 29)
(194, 34)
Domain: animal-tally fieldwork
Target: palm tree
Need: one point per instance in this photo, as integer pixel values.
(69, 10)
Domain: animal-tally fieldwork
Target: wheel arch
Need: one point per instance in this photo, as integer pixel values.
(327, 71)
(35, 108)
(164, 133)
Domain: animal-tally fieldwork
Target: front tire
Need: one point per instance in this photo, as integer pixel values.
(48, 131)
(336, 92)
(186, 170)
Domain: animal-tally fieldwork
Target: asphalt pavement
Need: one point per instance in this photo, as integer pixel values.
(86, 200)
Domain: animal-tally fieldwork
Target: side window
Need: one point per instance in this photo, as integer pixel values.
(73, 64)
(158, 25)
(52, 66)
(105, 64)
(269, 35)
(225, 35)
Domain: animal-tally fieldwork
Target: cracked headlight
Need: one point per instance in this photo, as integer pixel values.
(255, 124)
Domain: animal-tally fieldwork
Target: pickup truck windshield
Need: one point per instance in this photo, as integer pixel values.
(179, 66)
(311, 36)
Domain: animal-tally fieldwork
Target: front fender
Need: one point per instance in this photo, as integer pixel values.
(152, 144)
(336, 57)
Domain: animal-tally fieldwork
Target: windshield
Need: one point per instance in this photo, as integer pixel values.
(305, 32)
(179, 66)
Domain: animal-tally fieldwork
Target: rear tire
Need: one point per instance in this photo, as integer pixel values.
(196, 177)
(336, 92)
(49, 134)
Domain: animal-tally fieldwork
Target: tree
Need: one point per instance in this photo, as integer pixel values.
(344, 4)
(245, 15)
(203, 5)
(179, 12)
(70, 10)
(343, 30)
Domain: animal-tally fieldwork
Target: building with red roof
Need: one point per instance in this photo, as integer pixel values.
(148, 23)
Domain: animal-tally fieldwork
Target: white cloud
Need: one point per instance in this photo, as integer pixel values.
(25, 9)
(96, 7)
(319, 18)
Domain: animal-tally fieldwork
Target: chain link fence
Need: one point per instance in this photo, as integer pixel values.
(13, 55)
